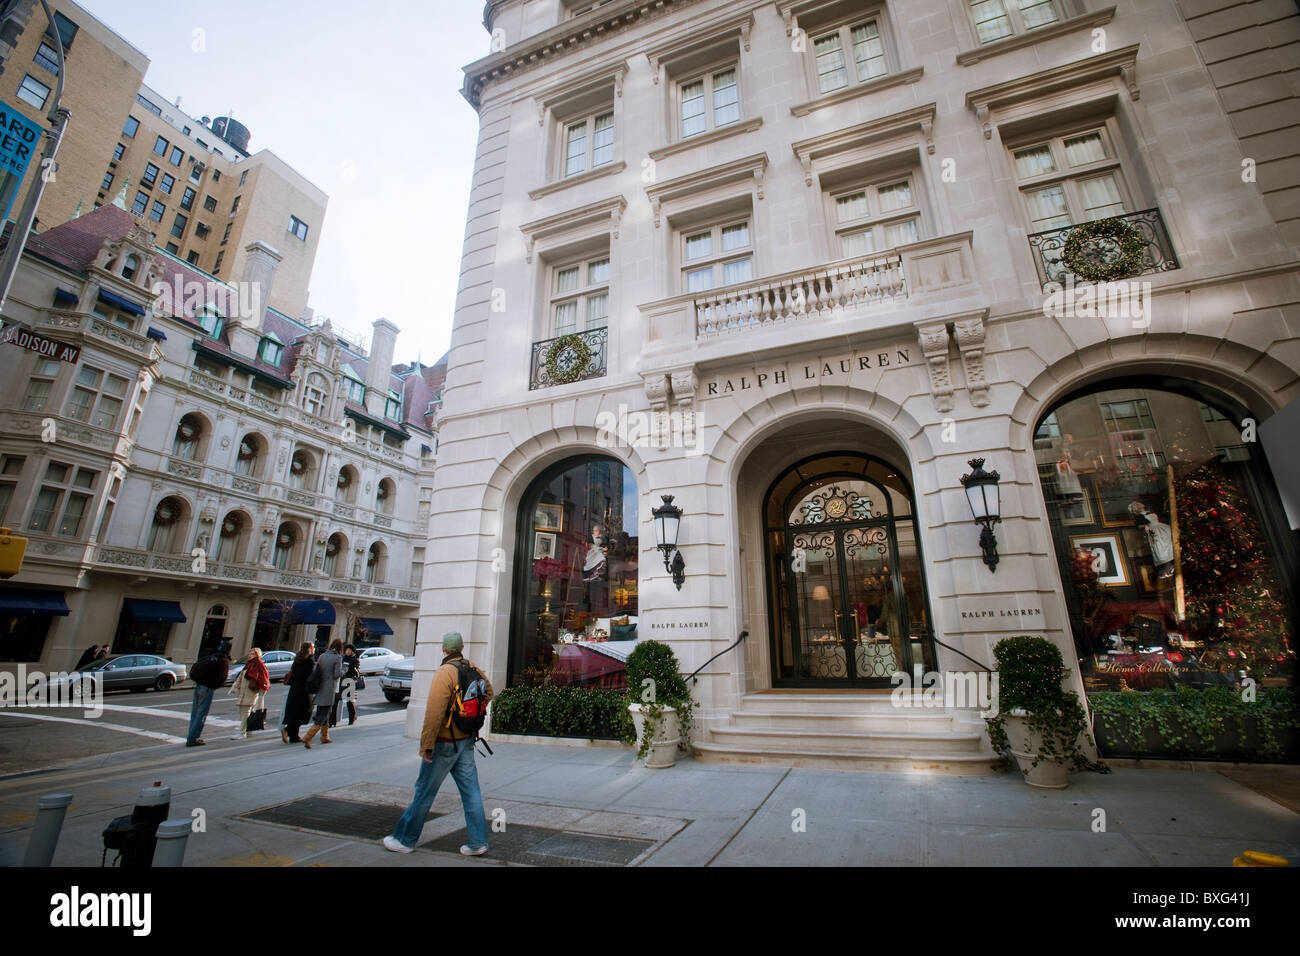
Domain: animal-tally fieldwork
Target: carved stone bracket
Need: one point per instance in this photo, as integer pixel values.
(934, 345)
(970, 341)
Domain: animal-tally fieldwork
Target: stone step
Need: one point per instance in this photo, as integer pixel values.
(956, 764)
(860, 702)
(893, 722)
(784, 741)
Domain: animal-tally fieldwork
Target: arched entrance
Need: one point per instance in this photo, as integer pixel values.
(846, 587)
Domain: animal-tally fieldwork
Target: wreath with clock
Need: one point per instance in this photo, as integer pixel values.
(1103, 250)
(568, 359)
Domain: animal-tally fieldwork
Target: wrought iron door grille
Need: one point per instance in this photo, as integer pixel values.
(597, 340)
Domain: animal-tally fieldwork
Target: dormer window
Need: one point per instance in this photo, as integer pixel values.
(356, 391)
(393, 407)
(211, 320)
(131, 266)
(271, 349)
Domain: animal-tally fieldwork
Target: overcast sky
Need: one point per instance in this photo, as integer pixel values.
(362, 99)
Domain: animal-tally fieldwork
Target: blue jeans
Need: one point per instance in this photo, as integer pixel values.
(458, 759)
(199, 712)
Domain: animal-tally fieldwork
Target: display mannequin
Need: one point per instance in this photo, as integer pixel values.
(1160, 539)
(1067, 482)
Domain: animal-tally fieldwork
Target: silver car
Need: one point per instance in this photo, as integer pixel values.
(278, 663)
(375, 660)
(396, 682)
(135, 672)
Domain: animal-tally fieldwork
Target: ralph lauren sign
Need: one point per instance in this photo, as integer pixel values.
(836, 371)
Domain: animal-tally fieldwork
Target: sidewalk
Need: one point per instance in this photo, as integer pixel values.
(274, 805)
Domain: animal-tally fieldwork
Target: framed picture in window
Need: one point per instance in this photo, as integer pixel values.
(549, 518)
(1107, 557)
(544, 545)
(1112, 509)
(1076, 510)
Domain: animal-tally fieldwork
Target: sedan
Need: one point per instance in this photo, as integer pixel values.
(134, 672)
(397, 680)
(278, 663)
(375, 659)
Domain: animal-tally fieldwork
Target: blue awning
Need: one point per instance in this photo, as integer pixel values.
(376, 625)
(158, 334)
(126, 305)
(149, 611)
(298, 612)
(33, 602)
(64, 297)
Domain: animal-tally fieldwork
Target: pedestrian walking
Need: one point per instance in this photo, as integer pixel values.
(208, 673)
(347, 686)
(446, 748)
(324, 684)
(297, 705)
(87, 656)
(250, 688)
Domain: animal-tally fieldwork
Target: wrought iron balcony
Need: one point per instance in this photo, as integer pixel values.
(1102, 257)
(569, 358)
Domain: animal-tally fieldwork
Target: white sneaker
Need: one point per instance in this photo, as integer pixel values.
(468, 850)
(239, 736)
(396, 845)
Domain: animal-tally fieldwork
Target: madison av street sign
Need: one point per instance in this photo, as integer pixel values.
(25, 338)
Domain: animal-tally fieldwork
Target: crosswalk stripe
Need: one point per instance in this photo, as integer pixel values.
(152, 734)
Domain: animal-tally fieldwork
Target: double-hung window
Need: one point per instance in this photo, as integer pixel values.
(999, 19)
(588, 143)
(160, 146)
(11, 468)
(141, 201)
(33, 91)
(63, 501)
(1070, 179)
(187, 198)
(580, 296)
(710, 101)
(150, 175)
(47, 58)
(716, 255)
(876, 217)
(40, 385)
(156, 211)
(852, 54)
(167, 183)
(96, 398)
(176, 156)
(129, 127)
(178, 226)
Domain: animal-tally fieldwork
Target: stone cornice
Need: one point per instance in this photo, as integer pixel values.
(712, 136)
(1037, 35)
(751, 167)
(828, 144)
(861, 89)
(610, 209)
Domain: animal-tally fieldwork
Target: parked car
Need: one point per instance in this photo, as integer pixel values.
(374, 660)
(133, 672)
(396, 682)
(278, 663)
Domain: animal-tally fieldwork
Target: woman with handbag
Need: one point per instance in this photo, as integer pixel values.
(348, 686)
(323, 684)
(297, 705)
(253, 684)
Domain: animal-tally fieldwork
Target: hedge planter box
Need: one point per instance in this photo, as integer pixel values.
(1211, 724)
(550, 711)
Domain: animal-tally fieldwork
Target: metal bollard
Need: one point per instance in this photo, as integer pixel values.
(50, 810)
(172, 837)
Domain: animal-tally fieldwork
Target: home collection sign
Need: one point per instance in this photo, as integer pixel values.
(25, 338)
(833, 371)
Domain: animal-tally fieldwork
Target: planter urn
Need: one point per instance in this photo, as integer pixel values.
(663, 746)
(1026, 745)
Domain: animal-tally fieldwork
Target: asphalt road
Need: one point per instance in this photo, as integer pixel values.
(36, 738)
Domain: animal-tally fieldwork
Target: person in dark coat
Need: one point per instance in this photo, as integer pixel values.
(297, 706)
(87, 656)
(347, 686)
(208, 673)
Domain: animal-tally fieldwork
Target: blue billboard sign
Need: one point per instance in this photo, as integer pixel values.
(20, 140)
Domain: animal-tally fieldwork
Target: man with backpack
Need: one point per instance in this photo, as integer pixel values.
(453, 716)
(208, 673)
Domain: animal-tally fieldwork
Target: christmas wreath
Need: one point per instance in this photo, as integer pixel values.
(1095, 267)
(567, 359)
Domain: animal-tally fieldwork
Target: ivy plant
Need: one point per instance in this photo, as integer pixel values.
(654, 681)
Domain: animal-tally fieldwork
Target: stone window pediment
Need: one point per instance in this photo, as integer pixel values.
(868, 142)
(603, 216)
(709, 185)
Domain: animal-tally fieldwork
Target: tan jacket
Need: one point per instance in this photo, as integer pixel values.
(438, 708)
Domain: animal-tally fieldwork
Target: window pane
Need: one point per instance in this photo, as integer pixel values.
(597, 310)
(699, 280)
(43, 513)
(57, 473)
(106, 414)
(868, 50)
(1084, 149)
(6, 492)
(1047, 209)
(697, 246)
(693, 108)
(602, 143)
(597, 271)
(1101, 197)
(857, 244)
(831, 74)
(38, 394)
(895, 196)
(566, 280)
(991, 20)
(78, 407)
(735, 237)
(47, 367)
(738, 271)
(849, 208)
(73, 515)
(116, 385)
(566, 318)
(87, 375)
(1034, 161)
(726, 98)
(901, 233)
(12, 466)
(576, 151)
(1037, 12)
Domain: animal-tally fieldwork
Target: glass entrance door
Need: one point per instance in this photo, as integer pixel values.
(849, 607)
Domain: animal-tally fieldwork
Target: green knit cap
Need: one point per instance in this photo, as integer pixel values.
(452, 642)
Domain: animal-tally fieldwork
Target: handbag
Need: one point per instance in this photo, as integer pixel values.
(361, 683)
(256, 720)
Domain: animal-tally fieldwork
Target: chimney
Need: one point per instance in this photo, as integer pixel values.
(379, 371)
(246, 308)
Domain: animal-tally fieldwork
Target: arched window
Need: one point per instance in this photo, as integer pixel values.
(166, 527)
(249, 455)
(189, 436)
(315, 395)
(1165, 527)
(386, 496)
(576, 574)
(131, 267)
(346, 484)
(377, 564)
(302, 469)
(232, 537)
(336, 556)
(286, 539)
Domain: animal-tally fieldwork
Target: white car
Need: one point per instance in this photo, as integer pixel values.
(375, 659)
